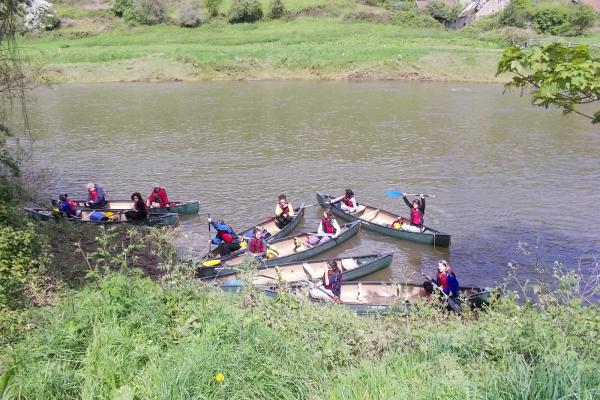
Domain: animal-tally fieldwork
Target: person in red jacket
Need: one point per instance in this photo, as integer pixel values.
(158, 197)
(258, 245)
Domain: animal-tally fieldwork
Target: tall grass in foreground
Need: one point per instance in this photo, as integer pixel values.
(130, 337)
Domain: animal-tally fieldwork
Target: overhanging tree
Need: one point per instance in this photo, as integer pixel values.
(558, 75)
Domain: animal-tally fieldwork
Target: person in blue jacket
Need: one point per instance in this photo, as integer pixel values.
(446, 279)
(65, 205)
(226, 239)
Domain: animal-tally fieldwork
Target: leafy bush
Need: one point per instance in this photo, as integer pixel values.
(189, 14)
(245, 11)
(583, 17)
(443, 13)
(122, 8)
(277, 10)
(517, 13)
(212, 7)
(22, 256)
(415, 19)
(552, 19)
(483, 24)
(39, 16)
(150, 12)
(370, 16)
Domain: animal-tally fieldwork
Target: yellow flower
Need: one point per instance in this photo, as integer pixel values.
(219, 377)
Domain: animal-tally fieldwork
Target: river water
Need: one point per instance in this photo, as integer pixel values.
(506, 175)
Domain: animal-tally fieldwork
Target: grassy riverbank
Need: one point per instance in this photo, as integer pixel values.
(306, 48)
(127, 337)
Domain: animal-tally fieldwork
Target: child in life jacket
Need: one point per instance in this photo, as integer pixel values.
(258, 245)
(417, 210)
(348, 202)
(328, 229)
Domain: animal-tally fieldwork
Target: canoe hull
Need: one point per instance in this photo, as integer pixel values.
(179, 207)
(367, 264)
(164, 219)
(436, 239)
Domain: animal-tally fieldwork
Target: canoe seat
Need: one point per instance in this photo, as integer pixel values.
(312, 274)
(370, 215)
(349, 264)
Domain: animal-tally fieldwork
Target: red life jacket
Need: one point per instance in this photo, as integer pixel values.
(285, 210)
(227, 237)
(443, 280)
(416, 218)
(256, 245)
(327, 225)
(348, 201)
(93, 195)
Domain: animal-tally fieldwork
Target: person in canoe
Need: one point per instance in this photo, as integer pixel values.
(96, 197)
(417, 211)
(348, 202)
(331, 284)
(66, 206)
(139, 211)
(226, 239)
(328, 229)
(284, 212)
(158, 197)
(445, 279)
(257, 245)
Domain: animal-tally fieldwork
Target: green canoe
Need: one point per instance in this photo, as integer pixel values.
(353, 267)
(117, 217)
(179, 207)
(270, 226)
(289, 249)
(377, 220)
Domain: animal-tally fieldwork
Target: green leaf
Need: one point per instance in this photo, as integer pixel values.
(123, 393)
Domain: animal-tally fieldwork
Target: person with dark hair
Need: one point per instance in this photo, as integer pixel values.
(158, 197)
(348, 202)
(139, 211)
(417, 210)
(226, 239)
(328, 229)
(331, 283)
(66, 206)
(96, 196)
(284, 212)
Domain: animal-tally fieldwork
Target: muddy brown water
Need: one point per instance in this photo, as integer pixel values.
(506, 175)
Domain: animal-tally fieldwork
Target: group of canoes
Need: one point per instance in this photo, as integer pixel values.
(97, 209)
(281, 257)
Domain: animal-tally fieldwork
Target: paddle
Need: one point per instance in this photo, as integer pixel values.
(209, 239)
(453, 304)
(320, 288)
(397, 193)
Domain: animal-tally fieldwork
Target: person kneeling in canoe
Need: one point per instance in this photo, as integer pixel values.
(66, 206)
(226, 239)
(284, 212)
(96, 197)
(331, 287)
(258, 245)
(348, 202)
(138, 211)
(328, 229)
(417, 211)
(158, 197)
(446, 280)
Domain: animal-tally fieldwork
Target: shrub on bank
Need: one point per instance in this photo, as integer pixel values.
(189, 14)
(212, 7)
(443, 13)
(276, 10)
(245, 11)
(148, 12)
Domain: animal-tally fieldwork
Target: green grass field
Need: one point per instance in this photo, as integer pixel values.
(305, 48)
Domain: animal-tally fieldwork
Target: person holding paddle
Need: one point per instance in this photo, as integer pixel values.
(331, 284)
(225, 239)
(417, 210)
(446, 280)
(348, 202)
(284, 212)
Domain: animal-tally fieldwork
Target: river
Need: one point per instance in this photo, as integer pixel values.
(506, 175)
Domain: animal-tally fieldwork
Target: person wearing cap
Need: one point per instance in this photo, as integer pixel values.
(158, 197)
(96, 197)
